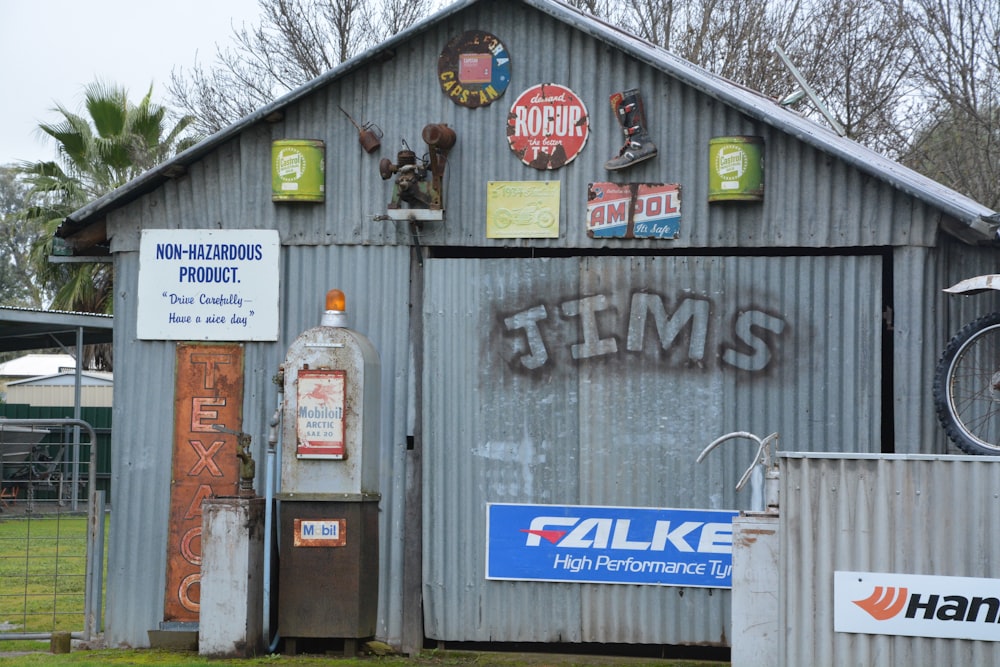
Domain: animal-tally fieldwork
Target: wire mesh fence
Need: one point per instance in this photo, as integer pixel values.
(52, 528)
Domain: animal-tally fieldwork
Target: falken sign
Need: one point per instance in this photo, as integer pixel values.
(609, 545)
(915, 605)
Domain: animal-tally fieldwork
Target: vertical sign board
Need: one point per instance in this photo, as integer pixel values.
(208, 392)
(208, 284)
(319, 420)
(610, 545)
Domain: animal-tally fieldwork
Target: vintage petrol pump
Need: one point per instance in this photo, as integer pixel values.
(329, 494)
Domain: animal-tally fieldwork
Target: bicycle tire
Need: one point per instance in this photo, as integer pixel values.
(967, 387)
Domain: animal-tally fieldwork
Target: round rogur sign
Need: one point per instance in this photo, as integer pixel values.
(547, 126)
(474, 69)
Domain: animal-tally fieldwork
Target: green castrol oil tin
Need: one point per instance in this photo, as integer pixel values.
(298, 170)
(736, 169)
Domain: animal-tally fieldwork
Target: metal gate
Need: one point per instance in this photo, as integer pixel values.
(51, 529)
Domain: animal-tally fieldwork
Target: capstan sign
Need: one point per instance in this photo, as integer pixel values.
(547, 126)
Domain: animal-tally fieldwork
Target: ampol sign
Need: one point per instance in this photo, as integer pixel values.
(916, 605)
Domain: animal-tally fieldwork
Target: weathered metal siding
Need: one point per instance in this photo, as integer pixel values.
(811, 199)
(923, 320)
(619, 428)
(908, 515)
(376, 283)
(598, 404)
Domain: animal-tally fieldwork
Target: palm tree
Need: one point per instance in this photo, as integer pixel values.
(115, 142)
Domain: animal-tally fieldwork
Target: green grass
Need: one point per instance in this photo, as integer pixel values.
(42, 579)
(426, 659)
(43, 563)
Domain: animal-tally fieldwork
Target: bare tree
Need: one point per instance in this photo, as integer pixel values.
(856, 55)
(957, 43)
(296, 41)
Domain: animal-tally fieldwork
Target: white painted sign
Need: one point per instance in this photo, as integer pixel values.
(208, 284)
(916, 605)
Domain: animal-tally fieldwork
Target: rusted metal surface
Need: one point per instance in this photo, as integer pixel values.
(547, 126)
(208, 391)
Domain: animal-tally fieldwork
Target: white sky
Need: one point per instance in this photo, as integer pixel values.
(50, 49)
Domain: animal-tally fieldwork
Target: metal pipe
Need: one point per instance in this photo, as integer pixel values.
(273, 448)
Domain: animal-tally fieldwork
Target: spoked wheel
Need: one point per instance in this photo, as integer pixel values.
(967, 387)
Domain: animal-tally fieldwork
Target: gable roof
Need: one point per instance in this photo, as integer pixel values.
(84, 229)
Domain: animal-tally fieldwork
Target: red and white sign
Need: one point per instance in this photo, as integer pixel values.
(916, 605)
(320, 414)
(547, 126)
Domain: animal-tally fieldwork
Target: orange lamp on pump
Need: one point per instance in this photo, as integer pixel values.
(335, 314)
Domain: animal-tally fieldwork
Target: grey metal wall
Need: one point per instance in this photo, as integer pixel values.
(615, 428)
(528, 399)
(376, 283)
(908, 515)
(812, 200)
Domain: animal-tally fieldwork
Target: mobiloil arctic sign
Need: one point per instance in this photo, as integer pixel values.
(609, 545)
(916, 605)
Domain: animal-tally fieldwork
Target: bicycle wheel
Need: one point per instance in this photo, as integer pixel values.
(967, 387)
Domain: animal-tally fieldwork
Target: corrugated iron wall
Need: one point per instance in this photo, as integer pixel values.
(376, 283)
(795, 288)
(607, 416)
(907, 515)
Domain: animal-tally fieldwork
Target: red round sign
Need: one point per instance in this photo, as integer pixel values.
(547, 126)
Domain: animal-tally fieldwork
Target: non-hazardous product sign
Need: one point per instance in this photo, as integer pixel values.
(547, 126)
(204, 284)
(474, 69)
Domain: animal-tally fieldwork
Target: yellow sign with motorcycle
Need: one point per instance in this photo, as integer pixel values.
(522, 209)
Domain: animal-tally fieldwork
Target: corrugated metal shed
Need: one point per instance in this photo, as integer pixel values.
(564, 370)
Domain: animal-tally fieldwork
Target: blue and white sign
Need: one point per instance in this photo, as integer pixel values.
(610, 545)
(208, 284)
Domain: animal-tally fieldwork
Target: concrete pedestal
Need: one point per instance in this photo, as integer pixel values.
(230, 623)
(756, 550)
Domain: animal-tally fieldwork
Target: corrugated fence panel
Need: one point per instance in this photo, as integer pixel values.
(597, 381)
(907, 515)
